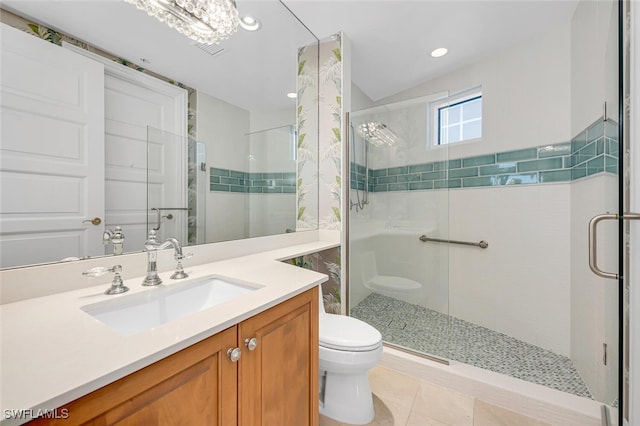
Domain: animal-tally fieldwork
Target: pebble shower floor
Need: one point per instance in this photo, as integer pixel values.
(431, 332)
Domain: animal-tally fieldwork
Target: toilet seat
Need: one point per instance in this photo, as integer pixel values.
(344, 333)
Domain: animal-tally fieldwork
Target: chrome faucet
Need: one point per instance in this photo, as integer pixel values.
(115, 237)
(151, 246)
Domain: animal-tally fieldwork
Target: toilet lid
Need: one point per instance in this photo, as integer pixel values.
(347, 334)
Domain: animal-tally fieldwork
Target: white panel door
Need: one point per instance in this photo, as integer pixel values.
(51, 151)
(142, 171)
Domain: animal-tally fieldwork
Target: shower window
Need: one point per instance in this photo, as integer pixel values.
(457, 118)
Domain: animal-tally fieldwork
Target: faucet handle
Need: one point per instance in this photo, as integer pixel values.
(117, 286)
(99, 271)
(180, 256)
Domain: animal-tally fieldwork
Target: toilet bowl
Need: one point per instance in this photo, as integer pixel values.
(349, 348)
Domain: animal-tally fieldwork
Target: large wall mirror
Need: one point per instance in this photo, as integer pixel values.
(112, 119)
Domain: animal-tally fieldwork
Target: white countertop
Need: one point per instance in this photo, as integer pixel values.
(52, 352)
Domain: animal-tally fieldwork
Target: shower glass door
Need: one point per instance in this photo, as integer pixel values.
(399, 196)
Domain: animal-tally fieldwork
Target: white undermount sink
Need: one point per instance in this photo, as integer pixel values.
(134, 313)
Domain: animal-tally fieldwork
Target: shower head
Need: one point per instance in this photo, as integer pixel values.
(378, 134)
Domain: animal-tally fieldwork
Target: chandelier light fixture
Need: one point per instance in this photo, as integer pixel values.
(205, 21)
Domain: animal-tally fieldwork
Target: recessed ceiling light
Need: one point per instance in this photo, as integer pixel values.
(250, 23)
(441, 51)
(292, 95)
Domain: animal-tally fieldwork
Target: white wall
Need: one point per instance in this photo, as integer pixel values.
(526, 94)
(519, 285)
(223, 128)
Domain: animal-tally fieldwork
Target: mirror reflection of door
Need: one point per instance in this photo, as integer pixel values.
(78, 138)
(52, 161)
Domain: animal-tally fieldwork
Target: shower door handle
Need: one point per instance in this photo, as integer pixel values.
(593, 241)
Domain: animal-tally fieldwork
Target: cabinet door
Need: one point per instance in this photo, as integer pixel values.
(196, 386)
(278, 380)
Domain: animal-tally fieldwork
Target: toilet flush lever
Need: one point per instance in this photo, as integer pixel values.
(251, 344)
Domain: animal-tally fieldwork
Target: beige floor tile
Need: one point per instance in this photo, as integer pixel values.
(417, 419)
(393, 388)
(384, 415)
(443, 405)
(485, 414)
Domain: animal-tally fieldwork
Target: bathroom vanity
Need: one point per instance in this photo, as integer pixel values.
(252, 360)
(262, 371)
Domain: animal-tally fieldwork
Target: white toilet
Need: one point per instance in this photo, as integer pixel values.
(349, 348)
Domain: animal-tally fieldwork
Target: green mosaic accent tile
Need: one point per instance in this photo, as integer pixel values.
(561, 162)
(387, 179)
(454, 164)
(434, 175)
(557, 150)
(479, 160)
(398, 186)
(255, 182)
(439, 165)
(595, 166)
(448, 183)
(285, 182)
(596, 131)
(496, 169)
(229, 181)
(520, 154)
(555, 176)
(289, 190)
(397, 171)
(579, 142)
(421, 185)
(472, 182)
(612, 147)
(536, 165)
(579, 172)
(217, 187)
(219, 172)
(457, 173)
(421, 168)
(272, 175)
(517, 179)
(610, 164)
(584, 154)
(409, 178)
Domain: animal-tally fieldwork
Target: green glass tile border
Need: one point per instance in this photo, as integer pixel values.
(227, 180)
(592, 151)
(542, 164)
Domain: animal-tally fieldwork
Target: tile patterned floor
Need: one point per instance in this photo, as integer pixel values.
(431, 332)
(400, 400)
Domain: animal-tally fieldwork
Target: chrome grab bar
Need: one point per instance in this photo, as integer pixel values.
(593, 241)
(482, 244)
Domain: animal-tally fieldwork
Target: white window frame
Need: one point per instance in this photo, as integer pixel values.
(433, 113)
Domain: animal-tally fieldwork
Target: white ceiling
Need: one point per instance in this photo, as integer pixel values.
(390, 40)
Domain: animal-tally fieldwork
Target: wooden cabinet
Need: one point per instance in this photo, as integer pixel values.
(276, 383)
(278, 380)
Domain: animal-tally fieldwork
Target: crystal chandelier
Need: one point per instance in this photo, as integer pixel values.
(206, 21)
